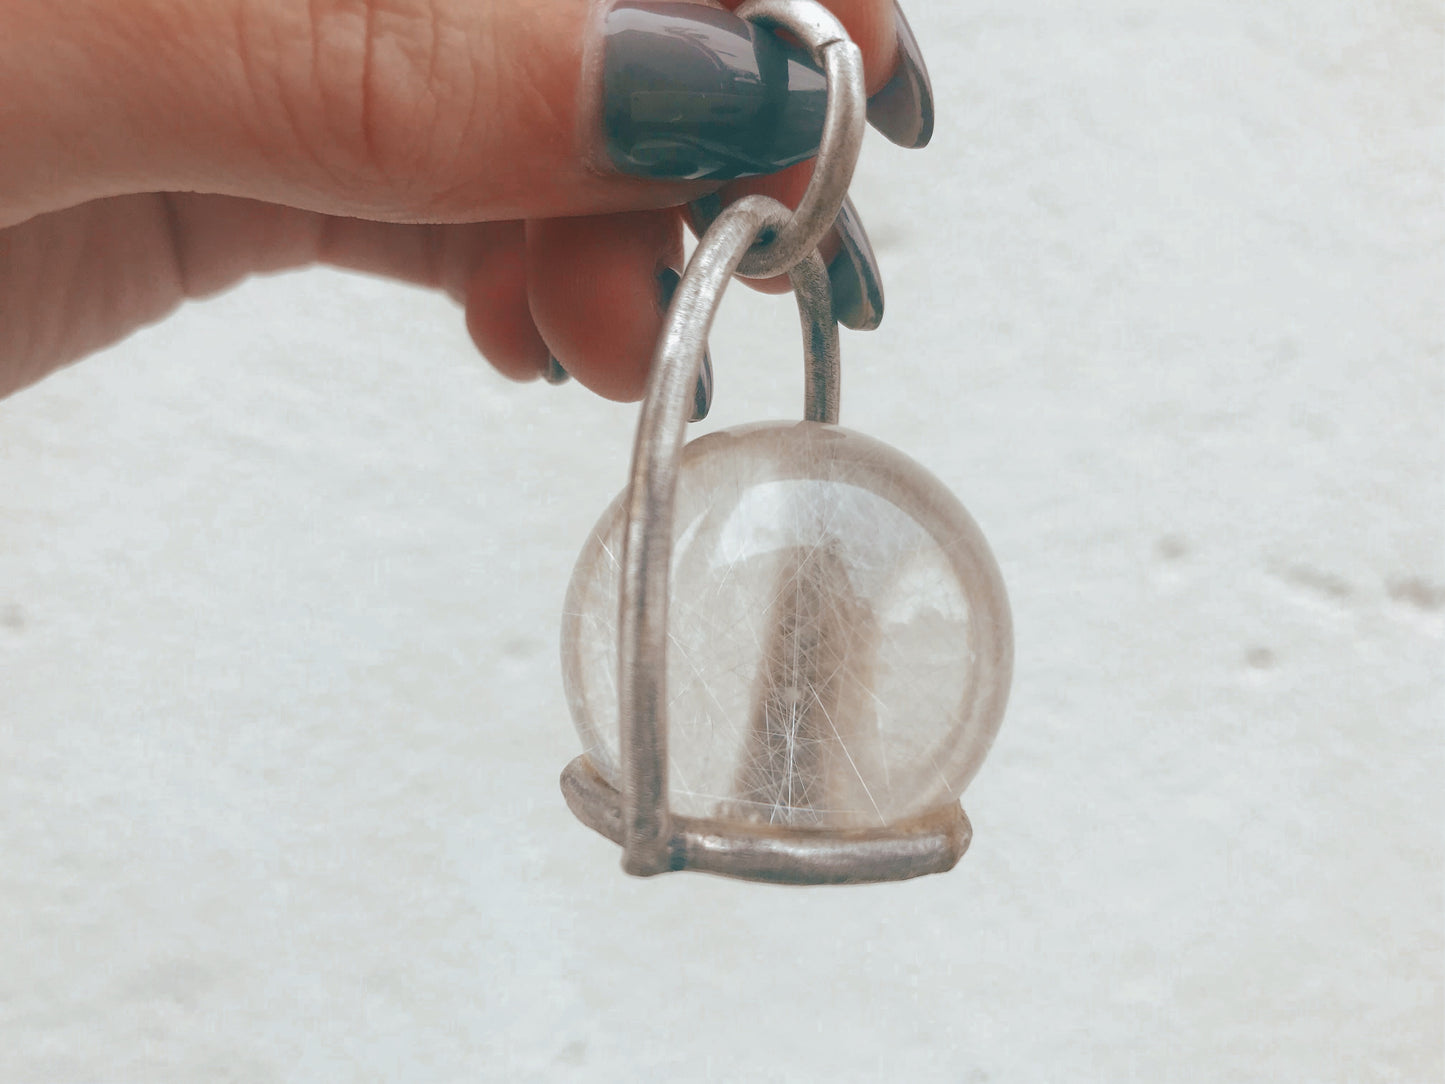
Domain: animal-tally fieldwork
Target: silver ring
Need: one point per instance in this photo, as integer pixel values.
(843, 126)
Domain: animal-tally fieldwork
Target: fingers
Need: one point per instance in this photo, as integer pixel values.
(595, 293)
(77, 280)
(499, 316)
(588, 278)
(86, 277)
(73, 282)
(483, 266)
(410, 111)
(400, 110)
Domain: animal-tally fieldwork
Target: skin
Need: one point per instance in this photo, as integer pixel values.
(153, 151)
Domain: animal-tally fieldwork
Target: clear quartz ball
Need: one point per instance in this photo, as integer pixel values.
(840, 646)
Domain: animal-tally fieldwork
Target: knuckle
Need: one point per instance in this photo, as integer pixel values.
(370, 91)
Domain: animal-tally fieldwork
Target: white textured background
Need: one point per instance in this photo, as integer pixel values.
(280, 713)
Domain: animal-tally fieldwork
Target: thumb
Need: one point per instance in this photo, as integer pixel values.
(399, 110)
(388, 109)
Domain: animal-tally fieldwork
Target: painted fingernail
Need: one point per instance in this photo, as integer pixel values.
(903, 109)
(667, 280)
(702, 395)
(694, 93)
(853, 273)
(555, 374)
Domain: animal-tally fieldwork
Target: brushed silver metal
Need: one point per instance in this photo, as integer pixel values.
(815, 25)
(843, 125)
(857, 279)
(822, 364)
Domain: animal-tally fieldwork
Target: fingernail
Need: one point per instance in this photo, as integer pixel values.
(702, 394)
(555, 374)
(667, 280)
(903, 109)
(853, 273)
(695, 93)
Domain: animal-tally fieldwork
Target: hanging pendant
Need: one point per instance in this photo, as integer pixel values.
(786, 646)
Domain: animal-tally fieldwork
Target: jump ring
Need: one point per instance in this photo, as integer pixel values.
(843, 125)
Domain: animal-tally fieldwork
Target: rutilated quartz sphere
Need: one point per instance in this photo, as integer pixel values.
(839, 640)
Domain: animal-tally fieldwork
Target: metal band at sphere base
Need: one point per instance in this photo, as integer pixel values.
(932, 843)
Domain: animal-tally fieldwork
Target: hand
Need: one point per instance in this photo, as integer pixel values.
(157, 150)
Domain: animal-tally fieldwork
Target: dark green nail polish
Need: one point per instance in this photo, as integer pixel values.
(695, 93)
(702, 395)
(555, 374)
(667, 280)
(903, 109)
(853, 274)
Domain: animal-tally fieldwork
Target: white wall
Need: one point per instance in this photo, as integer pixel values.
(280, 711)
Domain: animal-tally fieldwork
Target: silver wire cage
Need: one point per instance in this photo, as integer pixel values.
(755, 237)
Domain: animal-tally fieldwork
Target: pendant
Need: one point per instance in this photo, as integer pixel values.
(786, 646)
